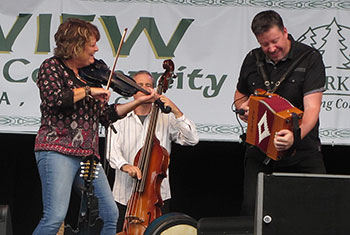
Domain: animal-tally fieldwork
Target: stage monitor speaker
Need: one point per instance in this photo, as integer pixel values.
(302, 204)
(240, 225)
(5, 220)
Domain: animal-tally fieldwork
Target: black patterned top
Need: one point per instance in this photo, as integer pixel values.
(67, 127)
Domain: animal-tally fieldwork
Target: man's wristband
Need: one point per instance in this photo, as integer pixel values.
(297, 137)
(296, 131)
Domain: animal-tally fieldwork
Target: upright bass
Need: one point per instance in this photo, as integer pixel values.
(145, 203)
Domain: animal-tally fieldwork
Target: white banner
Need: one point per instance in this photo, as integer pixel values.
(207, 40)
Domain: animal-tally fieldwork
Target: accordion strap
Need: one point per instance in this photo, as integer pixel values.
(267, 83)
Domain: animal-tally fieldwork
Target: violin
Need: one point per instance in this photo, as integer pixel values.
(98, 73)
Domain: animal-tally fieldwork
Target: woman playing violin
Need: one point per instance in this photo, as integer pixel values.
(71, 110)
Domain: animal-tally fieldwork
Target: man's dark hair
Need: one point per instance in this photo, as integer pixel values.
(265, 20)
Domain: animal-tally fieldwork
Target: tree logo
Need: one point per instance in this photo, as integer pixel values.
(332, 42)
(325, 39)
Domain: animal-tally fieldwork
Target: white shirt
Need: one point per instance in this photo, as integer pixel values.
(130, 138)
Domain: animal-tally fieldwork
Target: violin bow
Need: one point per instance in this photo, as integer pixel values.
(116, 58)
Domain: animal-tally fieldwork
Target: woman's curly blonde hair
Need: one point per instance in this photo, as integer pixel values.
(71, 37)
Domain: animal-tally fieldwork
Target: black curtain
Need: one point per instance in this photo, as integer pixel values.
(206, 179)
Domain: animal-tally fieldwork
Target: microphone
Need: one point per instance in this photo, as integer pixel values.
(239, 111)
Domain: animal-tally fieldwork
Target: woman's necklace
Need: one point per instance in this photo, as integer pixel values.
(75, 73)
(79, 78)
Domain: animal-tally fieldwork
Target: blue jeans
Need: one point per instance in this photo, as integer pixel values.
(58, 173)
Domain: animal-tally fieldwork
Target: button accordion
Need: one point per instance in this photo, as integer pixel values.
(268, 114)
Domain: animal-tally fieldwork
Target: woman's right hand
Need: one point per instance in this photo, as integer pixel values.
(100, 94)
